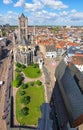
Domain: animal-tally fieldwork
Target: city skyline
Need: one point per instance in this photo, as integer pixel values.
(42, 12)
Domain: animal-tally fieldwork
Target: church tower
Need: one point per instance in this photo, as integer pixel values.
(22, 27)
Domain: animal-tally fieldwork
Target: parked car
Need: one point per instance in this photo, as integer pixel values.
(4, 117)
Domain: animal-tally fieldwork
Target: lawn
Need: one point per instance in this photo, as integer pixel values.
(32, 72)
(36, 94)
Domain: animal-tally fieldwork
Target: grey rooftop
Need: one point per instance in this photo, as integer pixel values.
(71, 93)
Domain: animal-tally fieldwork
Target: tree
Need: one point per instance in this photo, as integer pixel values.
(23, 66)
(24, 86)
(15, 83)
(3, 32)
(36, 66)
(38, 71)
(22, 92)
(38, 82)
(18, 70)
(18, 65)
(32, 84)
(32, 63)
(24, 111)
(19, 77)
(25, 100)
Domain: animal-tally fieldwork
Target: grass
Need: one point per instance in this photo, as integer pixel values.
(36, 94)
(32, 72)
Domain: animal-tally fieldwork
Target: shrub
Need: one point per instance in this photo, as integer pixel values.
(17, 80)
(36, 66)
(32, 63)
(25, 99)
(19, 77)
(16, 83)
(4, 32)
(32, 84)
(22, 92)
(38, 71)
(24, 111)
(23, 66)
(24, 86)
(18, 70)
(38, 82)
(18, 65)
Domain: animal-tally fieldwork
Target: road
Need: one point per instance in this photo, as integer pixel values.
(6, 71)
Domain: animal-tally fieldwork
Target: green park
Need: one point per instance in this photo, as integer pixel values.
(29, 96)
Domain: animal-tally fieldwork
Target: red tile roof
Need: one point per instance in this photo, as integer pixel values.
(77, 54)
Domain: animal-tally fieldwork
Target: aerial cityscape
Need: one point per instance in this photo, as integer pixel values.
(41, 65)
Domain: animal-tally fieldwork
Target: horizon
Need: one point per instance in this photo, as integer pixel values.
(43, 25)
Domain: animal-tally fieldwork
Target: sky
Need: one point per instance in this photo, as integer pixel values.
(42, 12)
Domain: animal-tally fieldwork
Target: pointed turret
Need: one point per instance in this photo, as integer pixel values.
(22, 15)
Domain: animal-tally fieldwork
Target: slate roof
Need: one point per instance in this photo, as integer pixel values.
(72, 96)
(23, 42)
(78, 76)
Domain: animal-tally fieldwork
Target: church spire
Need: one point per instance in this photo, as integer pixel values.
(22, 15)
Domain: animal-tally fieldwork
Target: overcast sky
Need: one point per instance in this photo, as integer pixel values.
(42, 12)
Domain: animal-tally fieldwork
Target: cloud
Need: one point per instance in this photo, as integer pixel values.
(37, 15)
(10, 18)
(1, 15)
(64, 13)
(77, 16)
(73, 11)
(7, 1)
(45, 14)
(42, 18)
(33, 7)
(54, 4)
(40, 4)
(19, 3)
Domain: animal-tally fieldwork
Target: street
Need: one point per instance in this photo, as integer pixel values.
(6, 73)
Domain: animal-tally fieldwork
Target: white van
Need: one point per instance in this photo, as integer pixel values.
(1, 83)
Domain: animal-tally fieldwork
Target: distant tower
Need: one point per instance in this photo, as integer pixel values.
(22, 27)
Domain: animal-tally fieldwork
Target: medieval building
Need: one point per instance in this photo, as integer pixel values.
(22, 27)
(23, 50)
